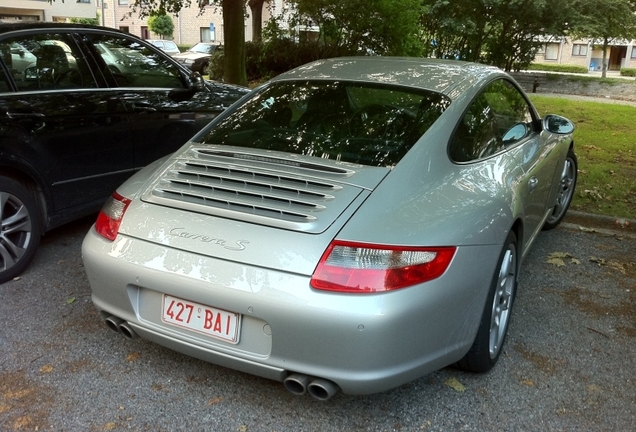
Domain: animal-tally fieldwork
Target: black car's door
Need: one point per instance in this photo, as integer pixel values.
(58, 117)
(165, 111)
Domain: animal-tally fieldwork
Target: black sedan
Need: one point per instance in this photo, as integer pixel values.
(81, 109)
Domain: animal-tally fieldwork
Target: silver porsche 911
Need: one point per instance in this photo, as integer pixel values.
(352, 225)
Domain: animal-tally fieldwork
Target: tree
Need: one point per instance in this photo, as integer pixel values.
(256, 9)
(387, 27)
(505, 33)
(161, 24)
(233, 30)
(604, 21)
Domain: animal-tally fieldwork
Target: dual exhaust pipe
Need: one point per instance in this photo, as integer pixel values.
(296, 383)
(120, 326)
(319, 388)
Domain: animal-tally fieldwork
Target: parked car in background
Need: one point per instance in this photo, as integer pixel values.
(197, 58)
(81, 109)
(167, 46)
(351, 225)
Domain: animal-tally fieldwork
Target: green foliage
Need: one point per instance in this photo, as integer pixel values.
(505, 33)
(161, 24)
(382, 27)
(557, 68)
(631, 72)
(604, 143)
(90, 21)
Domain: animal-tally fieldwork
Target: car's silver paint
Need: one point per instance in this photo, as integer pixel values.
(288, 325)
(330, 332)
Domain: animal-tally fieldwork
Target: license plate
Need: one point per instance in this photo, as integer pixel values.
(210, 321)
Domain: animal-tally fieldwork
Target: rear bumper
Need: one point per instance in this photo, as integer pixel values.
(364, 343)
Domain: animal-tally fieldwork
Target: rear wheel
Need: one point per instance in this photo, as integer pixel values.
(493, 327)
(19, 228)
(566, 191)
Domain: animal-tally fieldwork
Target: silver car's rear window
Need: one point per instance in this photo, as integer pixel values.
(360, 123)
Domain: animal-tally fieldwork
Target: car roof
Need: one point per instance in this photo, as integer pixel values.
(450, 77)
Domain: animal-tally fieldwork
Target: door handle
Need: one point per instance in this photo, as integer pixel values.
(532, 183)
(143, 107)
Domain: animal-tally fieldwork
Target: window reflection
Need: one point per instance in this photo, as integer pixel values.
(367, 124)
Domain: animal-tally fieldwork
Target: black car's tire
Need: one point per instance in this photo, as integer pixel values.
(567, 184)
(487, 347)
(19, 228)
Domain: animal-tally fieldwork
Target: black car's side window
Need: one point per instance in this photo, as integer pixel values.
(499, 117)
(46, 61)
(127, 63)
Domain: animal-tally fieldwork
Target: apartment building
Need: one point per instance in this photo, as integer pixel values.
(583, 52)
(42, 10)
(192, 24)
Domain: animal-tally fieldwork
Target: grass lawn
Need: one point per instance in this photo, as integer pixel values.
(605, 144)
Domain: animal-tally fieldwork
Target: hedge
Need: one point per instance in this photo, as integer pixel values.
(557, 68)
(630, 72)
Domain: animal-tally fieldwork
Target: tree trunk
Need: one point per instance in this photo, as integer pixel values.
(234, 34)
(256, 8)
(604, 67)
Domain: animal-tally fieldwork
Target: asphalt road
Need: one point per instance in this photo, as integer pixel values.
(568, 364)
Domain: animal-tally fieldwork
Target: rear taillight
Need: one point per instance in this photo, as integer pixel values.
(366, 268)
(110, 217)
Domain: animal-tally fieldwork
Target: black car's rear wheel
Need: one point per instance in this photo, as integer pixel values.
(19, 228)
(493, 327)
(567, 184)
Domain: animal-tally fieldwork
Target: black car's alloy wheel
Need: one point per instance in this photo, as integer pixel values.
(19, 228)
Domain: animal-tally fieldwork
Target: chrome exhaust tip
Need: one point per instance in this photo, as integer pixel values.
(113, 323)
(296, 384)
(127, 330)
(322, 389)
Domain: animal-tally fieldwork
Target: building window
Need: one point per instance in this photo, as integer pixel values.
(634, 52)
(551, 51)
(83, 1)
(579, 50)
(125, 29)
(122, 2)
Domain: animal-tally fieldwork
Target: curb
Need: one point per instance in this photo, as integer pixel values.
(601, 224)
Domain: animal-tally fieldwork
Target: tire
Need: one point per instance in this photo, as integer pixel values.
(487, 347)
(19, 228)
(567, 184)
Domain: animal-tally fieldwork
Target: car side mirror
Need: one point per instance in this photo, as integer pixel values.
(557, 124)
(31, 73)
(196, 82)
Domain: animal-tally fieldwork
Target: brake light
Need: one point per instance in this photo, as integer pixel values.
(110, 216)
(366, 268)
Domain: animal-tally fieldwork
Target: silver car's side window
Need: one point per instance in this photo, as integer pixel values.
(127, 63)
(46, 61)
(498, 118)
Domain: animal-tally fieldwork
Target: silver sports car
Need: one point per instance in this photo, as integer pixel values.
(351, 225)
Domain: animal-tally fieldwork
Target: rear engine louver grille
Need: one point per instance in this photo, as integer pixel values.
(214, 186)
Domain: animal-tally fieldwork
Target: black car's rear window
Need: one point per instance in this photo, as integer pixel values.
(366, 124)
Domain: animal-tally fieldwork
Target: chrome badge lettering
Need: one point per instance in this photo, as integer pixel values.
(238, 245)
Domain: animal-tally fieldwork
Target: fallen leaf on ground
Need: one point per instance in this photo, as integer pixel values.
(556, 261)
(215, 401)
(454, 383)
(71, 300)
(133, 356)
(46, 368)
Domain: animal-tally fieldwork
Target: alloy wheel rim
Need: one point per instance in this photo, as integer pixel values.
(565, 190)
(15, 230)
(502, 301)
